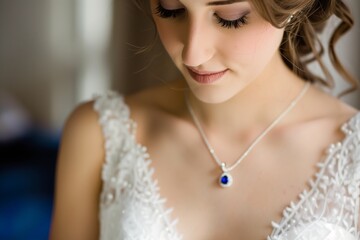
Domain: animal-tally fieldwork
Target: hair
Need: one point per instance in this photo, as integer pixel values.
(300, 44)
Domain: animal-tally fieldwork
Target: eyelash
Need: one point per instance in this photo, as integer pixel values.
(165, 13)
(232, 24)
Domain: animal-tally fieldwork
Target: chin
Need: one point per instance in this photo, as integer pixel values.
(212, 95)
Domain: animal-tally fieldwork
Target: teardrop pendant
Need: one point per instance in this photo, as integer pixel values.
(225, 180)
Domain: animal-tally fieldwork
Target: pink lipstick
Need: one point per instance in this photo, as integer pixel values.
(205, 77)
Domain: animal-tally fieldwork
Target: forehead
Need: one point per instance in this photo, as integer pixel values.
(213, 2)
(226, 2)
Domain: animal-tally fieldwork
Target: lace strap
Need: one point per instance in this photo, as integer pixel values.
(118, 130)
(352, 171)
(130, 201)
(352, 148)
(334, 193)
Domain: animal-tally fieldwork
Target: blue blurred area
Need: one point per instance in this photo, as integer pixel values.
(27, 167)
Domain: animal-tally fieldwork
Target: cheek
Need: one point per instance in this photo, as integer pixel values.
(268, 41)
(255, 46)
(168, 37)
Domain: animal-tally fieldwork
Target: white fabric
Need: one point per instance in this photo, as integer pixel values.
(131, 207)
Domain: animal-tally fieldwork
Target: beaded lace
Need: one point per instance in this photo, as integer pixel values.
(132, 208)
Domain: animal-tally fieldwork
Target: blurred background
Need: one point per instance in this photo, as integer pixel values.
(55, 54)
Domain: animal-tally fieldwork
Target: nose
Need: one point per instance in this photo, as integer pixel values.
(198, 44)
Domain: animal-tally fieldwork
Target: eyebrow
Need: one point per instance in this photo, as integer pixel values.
(217, 3)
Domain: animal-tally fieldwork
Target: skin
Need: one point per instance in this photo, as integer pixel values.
(257, 85)
(197, 41)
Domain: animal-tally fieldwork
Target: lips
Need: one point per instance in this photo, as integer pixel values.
(205, 77)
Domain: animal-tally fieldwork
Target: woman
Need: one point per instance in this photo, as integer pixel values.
(245, 146)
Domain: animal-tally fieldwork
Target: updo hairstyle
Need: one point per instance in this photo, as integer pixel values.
(303, 21)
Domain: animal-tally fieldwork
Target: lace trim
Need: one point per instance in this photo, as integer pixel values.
(333, 196)
(127, 174)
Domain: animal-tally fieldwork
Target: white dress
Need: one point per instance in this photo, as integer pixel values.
(132, 209)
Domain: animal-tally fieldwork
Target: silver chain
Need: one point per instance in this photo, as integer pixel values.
(253, 144)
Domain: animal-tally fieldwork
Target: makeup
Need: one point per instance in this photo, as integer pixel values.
(205, 77)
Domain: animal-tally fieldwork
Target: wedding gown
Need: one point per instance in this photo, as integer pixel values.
(131, 207)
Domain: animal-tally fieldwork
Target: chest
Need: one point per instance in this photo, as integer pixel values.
(264, 183)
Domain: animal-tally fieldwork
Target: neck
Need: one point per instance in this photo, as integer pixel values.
(260, 102)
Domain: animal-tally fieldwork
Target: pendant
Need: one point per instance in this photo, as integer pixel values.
(225, 180)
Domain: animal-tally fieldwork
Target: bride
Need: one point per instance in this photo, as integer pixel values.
(246, 145)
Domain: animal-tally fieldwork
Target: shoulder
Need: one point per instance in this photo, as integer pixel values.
(82, 114)
(82, 141)
(82, 125)
(163, 100)
(318, 121)
(322, 107)
(157, 109)
(78, 172)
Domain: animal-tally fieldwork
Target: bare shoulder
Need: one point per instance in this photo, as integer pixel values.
(329, 108)
(82, 134)
(319, 117)
(78, 181)
(83, 121)
(162, 99)
(157, 109)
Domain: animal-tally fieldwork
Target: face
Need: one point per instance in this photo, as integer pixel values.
(219, 47)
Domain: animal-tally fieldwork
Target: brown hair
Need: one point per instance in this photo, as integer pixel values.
(300, 44)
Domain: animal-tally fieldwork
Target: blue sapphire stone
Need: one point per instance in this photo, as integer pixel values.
(224, 180)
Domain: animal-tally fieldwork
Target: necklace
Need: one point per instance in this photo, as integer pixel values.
(226, 179)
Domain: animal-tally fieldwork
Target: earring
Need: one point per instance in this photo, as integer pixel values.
(290, 18)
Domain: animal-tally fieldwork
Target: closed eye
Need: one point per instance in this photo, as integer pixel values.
(166, 13)
(232, 23)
